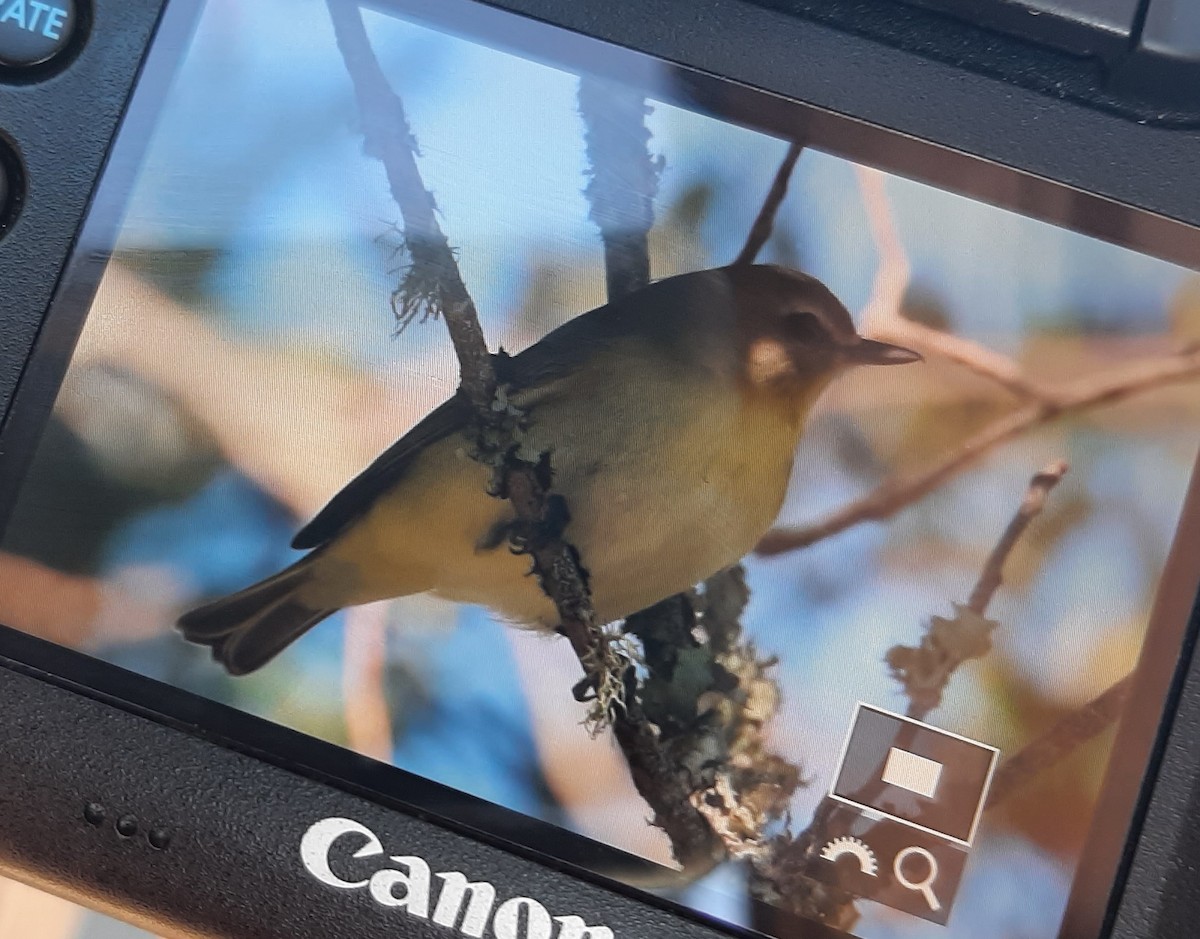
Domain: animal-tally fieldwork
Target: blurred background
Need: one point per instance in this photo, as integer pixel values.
(27, 912)
(240, 364)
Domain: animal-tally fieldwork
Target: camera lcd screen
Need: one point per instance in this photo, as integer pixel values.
(805, 464)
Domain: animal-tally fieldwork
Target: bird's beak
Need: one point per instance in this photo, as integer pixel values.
(874, 352)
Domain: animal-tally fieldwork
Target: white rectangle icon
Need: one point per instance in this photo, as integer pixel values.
(912, 772)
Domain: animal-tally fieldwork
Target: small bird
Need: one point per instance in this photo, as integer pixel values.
(671, 417)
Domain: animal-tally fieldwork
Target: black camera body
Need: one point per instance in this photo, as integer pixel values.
(188, 816)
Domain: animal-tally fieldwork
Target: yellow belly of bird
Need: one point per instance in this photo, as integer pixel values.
(656, 505)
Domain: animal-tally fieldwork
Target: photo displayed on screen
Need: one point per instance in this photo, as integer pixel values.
(830, 506)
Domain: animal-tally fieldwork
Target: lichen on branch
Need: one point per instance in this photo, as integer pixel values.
(924, 670)
(439, 291)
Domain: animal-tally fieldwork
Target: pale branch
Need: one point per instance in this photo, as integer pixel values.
(882, 317)
(925, 670)
(977, 358)
(622, 179)
(764, 222)
(1067, 399)
(1062, 739)
(434, 286)
(1042, 402)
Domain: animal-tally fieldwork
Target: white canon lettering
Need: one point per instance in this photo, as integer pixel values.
(507, 923)
(315, 845)
(575, 928)
(415, 880)
(462, 906)
(479, 898)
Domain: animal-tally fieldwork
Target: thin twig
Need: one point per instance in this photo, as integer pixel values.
(992, 575)
(1071, 732)
(925, 670)
(1071, 398)
(781, 874)
(1043, 402)
(882, 317)
(764, 222)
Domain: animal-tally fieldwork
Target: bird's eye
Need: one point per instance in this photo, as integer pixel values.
(803, 326)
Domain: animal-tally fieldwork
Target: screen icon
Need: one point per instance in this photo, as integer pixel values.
(889, 862)
(835, 850)
(912, 772)
(923, 885)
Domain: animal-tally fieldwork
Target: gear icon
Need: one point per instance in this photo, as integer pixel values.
(839, 847)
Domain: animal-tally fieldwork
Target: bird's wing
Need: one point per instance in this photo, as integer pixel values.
(531, 374)
(360, 493)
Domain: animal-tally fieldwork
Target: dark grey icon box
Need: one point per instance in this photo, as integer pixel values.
(920, 775)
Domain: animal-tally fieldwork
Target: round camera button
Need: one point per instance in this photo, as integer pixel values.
(35, 31)
(12, 186)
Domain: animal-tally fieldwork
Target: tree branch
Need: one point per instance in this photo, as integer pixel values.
(991, 577)
(883, 318)
(1044, 402)
(1070, 398)
(764, 222)
(1071, 732)
(926, 669)
(781, 875)
(433, 286)
(364, 664)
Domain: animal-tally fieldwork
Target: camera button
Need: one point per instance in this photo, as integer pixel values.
(35, 31)
(12, 190)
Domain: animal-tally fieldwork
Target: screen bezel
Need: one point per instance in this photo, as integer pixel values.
(889, 150)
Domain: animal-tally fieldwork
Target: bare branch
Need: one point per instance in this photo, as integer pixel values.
(781, 876)
(1071, 732)
(926, 669)
(764, 223)
(1070, 398)
(1044, 402)
(1031, 506)
(882, 316)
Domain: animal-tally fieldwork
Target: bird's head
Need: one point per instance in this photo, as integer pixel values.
(794, 335)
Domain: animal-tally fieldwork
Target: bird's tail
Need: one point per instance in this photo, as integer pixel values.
(247, 629)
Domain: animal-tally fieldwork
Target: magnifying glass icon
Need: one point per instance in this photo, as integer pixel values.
(923, 885)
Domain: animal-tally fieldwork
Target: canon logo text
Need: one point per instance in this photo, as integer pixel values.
(407, 885)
